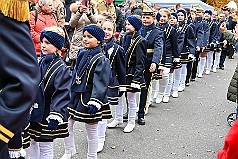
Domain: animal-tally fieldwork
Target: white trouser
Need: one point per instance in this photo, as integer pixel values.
(92, 136)
(217, 59)
(102, 125)
(177, 78)
(40, 150)
(164, 81)
(169, 85)
(183, 75)
(209, 60)
(69, 144)
(202, 65)
(131, 98)
(154, 89)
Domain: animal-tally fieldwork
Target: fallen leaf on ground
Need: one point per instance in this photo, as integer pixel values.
(113, 147)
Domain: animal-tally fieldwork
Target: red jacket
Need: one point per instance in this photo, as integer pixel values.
(230, 149)
(43, 21)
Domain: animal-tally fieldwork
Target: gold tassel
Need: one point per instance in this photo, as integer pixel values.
(16, 9)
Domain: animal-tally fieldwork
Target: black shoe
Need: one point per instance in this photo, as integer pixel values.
(141, 121)
(125, 116)
(187, 84)
(222, 68)
(193, 79)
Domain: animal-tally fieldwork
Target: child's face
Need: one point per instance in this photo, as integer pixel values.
(47, 47)
(199, 14)
(108, 28)
(147, 20)
(193, 15)
(89, 41)
(207, 16)
(129, 27)
(100, 18)
(164, 18)
(181, 17)
(173, 20)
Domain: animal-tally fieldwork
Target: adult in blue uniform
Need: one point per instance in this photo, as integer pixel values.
(155, 38)
(20, 75)
(231, 22)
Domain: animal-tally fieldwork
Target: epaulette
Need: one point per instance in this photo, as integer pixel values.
(15, 9)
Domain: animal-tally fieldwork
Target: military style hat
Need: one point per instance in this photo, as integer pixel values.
(199, 8)
(147, 10)
(226, 8)
(193, 9)
(16, 9)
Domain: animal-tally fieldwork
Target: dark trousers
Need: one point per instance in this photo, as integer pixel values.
(195, 66)
(230, 50)
(222, 58)
(144, 95)
(189, 71)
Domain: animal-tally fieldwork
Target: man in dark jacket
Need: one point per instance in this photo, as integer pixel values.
(119, 20)
(67, 4)
(19, 75)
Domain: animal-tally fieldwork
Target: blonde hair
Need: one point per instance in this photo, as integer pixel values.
(166, 11)
(107, 15)
(56, 29)
(112, 22)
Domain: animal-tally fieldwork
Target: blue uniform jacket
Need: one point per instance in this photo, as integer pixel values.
(155, 48)
(116, 55)
(206, 29)
(181, 38)
(54, 90)
(198, 31)
(171, 45)
(213, 31)
(189, 39)
(94, 82)
(19, 78)
(135, 59)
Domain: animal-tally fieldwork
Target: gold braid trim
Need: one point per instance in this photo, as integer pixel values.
(16, 9)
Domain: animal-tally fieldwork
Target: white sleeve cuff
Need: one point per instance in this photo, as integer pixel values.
(17, 153)
(161, 68)
(122, 89)
(95, 104)
(55, 117)
(134, 85)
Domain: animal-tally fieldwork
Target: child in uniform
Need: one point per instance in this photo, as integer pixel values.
(89, 103)
(115, 53)
(48, 119)
(135, 45)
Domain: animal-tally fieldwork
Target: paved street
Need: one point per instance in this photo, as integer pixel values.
(192, 126)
